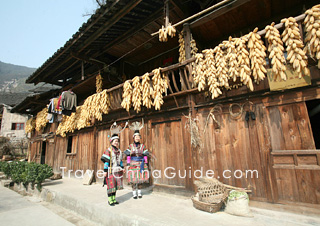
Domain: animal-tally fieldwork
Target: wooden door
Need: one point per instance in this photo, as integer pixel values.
(294, 160)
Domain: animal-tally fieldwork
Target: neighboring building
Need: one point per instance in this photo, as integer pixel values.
(12, 124)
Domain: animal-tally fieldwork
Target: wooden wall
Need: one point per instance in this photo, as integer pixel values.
(282, 126)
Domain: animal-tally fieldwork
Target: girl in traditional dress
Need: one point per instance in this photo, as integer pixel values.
(137, 159)
(113, 167)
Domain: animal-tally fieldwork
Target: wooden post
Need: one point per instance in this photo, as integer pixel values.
(95, 151)
(82, 71)
(166, 13)
(187, 40)
(191, 101)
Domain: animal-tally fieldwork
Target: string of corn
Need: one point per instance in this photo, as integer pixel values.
(312, 28)
(275, 48)
(295, 54)
(137, 94)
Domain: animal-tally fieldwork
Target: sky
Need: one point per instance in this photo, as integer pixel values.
(31, 31)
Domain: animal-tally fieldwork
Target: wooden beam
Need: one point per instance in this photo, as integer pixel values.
(178, 9)
(87, 59)
(134, 30)
(115, 18)
(218, 12)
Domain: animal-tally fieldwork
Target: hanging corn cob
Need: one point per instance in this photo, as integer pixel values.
(147, 91)
(295, 54)
(83, 118)
(127, 96)
(182, 51)
(98, 83)
(231, 58)
(275, 48)
(104, 102)
(171, 30)
(30, 125)
(221, 65)
(41, 120)
(193, 46)
(198, 72)
(136, 94)
(257, 54)
(163, 35)
(312, 27)
(211, 73)
(244, 62)
(160, 85)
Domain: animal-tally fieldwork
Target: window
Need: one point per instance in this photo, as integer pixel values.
(69, 148)
(17, 126)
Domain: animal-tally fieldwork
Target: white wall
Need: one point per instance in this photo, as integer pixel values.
(6, 124)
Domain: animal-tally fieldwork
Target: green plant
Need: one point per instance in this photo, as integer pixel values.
(6, 169)
(26, 173)
(16, 170)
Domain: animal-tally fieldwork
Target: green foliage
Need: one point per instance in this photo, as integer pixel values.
(26, 173)
(234, 195)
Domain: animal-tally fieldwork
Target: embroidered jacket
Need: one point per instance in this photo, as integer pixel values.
(137, 152)
(112, 157)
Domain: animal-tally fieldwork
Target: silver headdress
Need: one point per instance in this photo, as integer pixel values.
(115, 130)
(136, 126)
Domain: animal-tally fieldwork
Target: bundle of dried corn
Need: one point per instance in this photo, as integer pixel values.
(98, 83)
(147, 91)
(243, 62)
(164, 32)
(182, 51)
(221, 65)
(198, 72)
(171, 30)
(312, 26)
(30, 125)
(127, 96)
(231, 58)
(160, 85)
(275, 48)
(193, 46)
(257, 55)
(295, 54)
(136, 95)
(41, 119)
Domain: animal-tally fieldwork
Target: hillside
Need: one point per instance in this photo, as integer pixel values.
(11, 71)
(13, 77)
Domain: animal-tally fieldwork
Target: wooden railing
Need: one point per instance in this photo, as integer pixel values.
(179, 76)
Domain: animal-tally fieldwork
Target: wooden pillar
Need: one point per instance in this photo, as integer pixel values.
(95, 151)
(187, 40)
(191, 102)
(166, 13)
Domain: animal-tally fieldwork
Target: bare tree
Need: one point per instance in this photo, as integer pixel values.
(99, 3)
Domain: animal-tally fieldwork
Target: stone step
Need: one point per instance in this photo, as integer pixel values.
(5, 183)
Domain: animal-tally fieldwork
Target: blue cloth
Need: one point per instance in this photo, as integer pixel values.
(138, 159)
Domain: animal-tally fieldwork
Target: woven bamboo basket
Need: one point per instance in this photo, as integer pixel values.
(211, 195)
(211, 191)
(208, 207)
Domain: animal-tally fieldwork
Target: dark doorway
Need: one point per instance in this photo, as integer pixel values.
(313, 107)
(43, 152)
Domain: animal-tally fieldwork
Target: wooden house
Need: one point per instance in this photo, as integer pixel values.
(281, 143)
